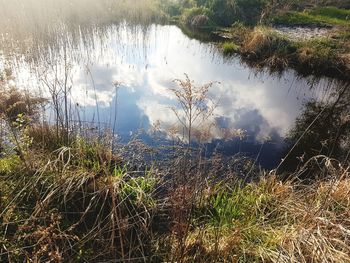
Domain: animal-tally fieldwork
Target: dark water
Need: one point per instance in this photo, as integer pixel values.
(254, 112)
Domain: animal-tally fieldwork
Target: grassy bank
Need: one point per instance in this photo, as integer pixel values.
(225, 13)
(78, 197)
(319, 55)
(265, 47)
(249, 29)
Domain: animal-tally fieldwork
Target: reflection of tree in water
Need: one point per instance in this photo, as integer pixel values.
(322, 129)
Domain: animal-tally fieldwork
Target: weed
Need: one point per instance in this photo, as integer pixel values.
(195, 104)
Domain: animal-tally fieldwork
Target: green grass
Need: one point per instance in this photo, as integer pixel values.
(332, 12)
(345, 35)
(326, 16)
(230, 48)
(81, 186)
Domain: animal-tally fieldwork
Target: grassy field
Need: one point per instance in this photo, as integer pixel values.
(322, 16)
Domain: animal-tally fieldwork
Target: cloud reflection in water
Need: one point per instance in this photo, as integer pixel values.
(147, 63)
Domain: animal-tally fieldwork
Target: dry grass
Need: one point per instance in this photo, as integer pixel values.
(82, 205)
(27, 25)
(273, 221)
(78, 203)
(266, 45)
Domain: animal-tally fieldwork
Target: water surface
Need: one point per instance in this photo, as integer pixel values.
(144, 61)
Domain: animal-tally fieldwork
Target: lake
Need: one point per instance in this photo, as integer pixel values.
(121, 77)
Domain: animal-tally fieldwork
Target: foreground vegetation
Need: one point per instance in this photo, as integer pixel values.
(79, 197)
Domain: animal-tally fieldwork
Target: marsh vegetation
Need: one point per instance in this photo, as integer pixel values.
(124, 140)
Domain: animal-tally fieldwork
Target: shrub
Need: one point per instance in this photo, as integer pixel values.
(189, 14)
(173, 9)
(225, 12)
